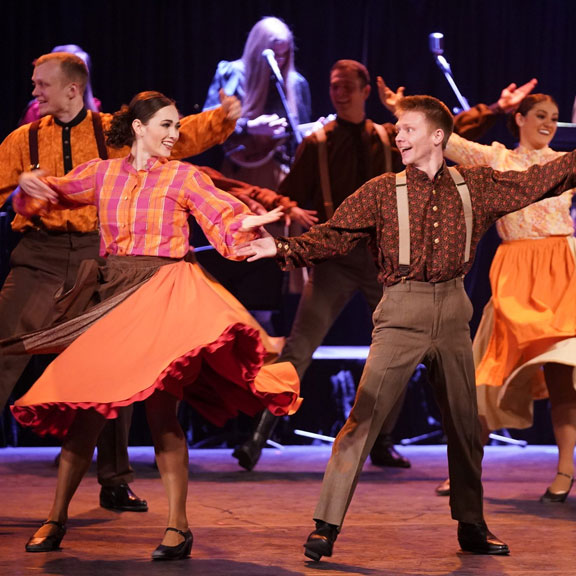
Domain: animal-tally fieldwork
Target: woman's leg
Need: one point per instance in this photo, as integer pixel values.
(172, 457)
(563, 413)
(75, 459)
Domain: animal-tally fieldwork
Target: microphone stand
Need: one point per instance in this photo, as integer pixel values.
(293, 126)
(436, 47)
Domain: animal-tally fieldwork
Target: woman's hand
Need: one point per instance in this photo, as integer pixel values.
(270, 125)
(31, 183)
(252, 222)
(257, 249)
(387, 96)
(231, 105)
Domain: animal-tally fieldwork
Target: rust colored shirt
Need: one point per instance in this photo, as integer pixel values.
(355, 154)
(197, 133)
(437, 227)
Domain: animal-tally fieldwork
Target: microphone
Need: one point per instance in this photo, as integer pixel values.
(271, 58)
(436, 43)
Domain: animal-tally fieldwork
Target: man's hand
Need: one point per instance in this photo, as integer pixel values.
(31, 184)
(231, 105)
(305, 218)
(252, 222)
(257, 249)
(388, 97)
(512, 95)
(252, 204)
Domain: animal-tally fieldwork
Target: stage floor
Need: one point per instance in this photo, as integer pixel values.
(254, 523)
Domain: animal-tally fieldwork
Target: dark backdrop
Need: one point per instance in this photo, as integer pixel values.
(174, 46)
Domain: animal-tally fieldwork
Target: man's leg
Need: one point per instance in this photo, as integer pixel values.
(400, 340)
(27, 300)
(113, 465)
(383, 452)
(452, 375)
(388, 368)
(323, 298)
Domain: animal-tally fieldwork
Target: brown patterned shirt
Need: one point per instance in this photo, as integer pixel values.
(437, 228)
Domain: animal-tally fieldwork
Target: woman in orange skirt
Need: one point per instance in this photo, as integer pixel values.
(152, 326)
(525, 347)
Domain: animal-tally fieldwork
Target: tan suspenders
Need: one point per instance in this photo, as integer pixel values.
(323, 162)
(404, 220)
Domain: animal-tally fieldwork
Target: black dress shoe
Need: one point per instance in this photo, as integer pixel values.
(47, 543)
(247, 454)
(178, 552)
(386, 455)
(121, 498)
(476, 538)
(321, 541)
(557, 496)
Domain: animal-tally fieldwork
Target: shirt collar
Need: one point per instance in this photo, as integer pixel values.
(421, 176)
(152, 163)
(348, 124)
(75, 121)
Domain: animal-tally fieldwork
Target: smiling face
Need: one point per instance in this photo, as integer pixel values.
(348, 94)
(158, 136)
(416, 139)
(538, 126)
(51, 89)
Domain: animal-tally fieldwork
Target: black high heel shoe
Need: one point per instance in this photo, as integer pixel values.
(557, 496)
(47, 543)
(178, 552)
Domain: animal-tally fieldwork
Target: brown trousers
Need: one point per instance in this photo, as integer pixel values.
(414, 322)
(331, 285)
(41, 264)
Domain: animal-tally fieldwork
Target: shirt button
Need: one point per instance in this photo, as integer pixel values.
(434, 192)
(436, 240)
(286, 246)
(125, 197)
(435, 208)
(123, 225)
(436, 224)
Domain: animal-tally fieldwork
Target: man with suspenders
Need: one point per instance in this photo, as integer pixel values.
(424, 227)
(52, 247)
(330, 165)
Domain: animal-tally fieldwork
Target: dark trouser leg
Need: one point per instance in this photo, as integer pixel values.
(26, 303)
(324, 296)
(112, 459)
(452, 376)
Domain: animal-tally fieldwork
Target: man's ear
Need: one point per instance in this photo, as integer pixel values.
(73, 90)
(367, 90)
(438, 136)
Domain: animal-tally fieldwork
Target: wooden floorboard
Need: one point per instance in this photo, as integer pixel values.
(255, 523)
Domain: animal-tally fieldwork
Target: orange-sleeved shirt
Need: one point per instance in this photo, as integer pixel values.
(197, 133)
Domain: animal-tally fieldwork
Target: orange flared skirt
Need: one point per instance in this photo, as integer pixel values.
(179, 331)
(530, 321)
